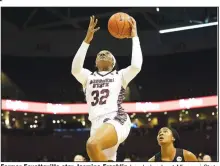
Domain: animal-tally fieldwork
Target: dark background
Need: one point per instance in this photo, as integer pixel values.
(176, 65)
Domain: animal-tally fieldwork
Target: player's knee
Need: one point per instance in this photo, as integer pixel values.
(92, 145)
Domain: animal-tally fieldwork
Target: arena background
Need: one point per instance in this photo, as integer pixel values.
(38, 45)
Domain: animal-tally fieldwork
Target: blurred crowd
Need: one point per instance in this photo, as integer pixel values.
(201, 157)
(80, 158)
(203, 130)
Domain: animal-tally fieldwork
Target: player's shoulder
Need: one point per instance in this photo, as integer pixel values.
(120, 72)
(186, 152)
(115, 73)
(94, 74)
(189, 156)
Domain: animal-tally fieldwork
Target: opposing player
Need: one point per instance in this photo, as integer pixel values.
(105, 89)
(169, 140)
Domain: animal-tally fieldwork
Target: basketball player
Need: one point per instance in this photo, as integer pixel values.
(169, 140)
(104, 90)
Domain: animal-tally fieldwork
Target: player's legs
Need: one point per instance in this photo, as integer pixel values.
(111, 153)
(105, 137)
(122, 125)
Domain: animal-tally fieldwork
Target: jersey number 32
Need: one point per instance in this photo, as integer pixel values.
(99, 97)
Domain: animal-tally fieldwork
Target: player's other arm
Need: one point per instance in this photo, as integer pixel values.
(136, 60)
(77, 70)
(189, 156)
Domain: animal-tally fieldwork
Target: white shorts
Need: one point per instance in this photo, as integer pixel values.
(121, 122)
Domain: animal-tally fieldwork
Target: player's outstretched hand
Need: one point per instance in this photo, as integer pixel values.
(133, 25)
(91, 30)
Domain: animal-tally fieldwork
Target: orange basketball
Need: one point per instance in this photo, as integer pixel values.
(118, 25)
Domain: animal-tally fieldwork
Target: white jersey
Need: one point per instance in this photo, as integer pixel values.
(104, 93)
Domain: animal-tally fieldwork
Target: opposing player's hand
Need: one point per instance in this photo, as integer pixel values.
(133, 25)
(91, 29)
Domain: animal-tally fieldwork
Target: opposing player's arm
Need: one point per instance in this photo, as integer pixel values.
(152, 159)
(189, 156)
(136, 60)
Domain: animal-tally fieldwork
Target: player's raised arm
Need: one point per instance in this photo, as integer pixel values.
(136, 60)
(77, 70)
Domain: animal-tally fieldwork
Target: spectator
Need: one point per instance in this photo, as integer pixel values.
(45, 159)
(200, 157)
(78, 158)
(65, 159)
(127, 160)
(207, 158)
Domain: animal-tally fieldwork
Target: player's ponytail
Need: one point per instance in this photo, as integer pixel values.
(176, 136)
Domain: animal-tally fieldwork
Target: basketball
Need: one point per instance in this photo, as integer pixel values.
(118, 25)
